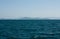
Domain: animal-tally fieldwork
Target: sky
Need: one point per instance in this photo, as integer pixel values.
(29, 8)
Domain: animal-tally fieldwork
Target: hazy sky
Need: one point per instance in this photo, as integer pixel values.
(29, 8)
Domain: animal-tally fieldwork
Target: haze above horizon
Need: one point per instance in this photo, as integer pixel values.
(30, 8)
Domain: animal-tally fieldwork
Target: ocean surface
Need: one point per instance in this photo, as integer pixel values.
(29, 29)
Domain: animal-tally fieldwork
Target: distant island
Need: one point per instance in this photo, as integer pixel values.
(30, 18)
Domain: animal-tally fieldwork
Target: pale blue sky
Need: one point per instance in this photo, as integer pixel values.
(29, 8)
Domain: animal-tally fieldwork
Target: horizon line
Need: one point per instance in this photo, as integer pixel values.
(26, 18)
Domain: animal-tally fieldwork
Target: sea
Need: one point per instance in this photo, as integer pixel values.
(29, 29)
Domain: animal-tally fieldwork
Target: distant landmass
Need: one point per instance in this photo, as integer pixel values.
(33, 18)
(29, 18)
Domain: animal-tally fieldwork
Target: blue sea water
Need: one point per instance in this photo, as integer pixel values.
(29, 29)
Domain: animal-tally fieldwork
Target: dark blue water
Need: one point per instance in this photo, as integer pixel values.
(29, 29)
